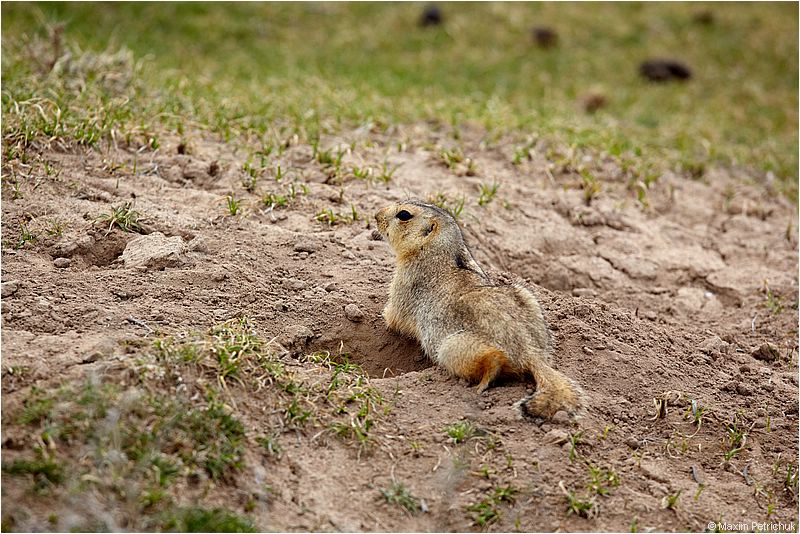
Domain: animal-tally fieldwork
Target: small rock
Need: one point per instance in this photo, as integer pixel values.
(587, 350)
(431, 16)
(330, 286)
(767, 352)
(9, 288)
(633, 443)
(306, 247)
(353, 313)
(62, 263)
(560, 417)
(219, 276)
(544, 37)
(650, 315)
(154, 252)
(662, 70)
(744, 389)
(557, 436)
(584, 292)
(197, 244)
(297, 285)
(302, 255)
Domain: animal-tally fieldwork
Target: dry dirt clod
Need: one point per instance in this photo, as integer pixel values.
(353, 313)
(633, 443)
(306, 247)
(9, 288)
(557, 436)
(767, 352)
(62, 263)
(154, 252)
(561, 417)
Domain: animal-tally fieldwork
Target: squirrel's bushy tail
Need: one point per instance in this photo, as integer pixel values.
(554, 392)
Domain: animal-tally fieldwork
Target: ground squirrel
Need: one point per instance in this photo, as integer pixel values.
(475, 329)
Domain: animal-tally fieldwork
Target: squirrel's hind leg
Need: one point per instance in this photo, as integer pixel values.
(468, 357)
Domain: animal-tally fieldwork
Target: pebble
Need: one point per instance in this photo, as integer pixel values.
(306, 247)
(557, 436)
(560, 417)
(633, 443)
(9, 288)
(650, 315)
(62, 263)
(331, 286)
(302, 255)
(744, 389)
(353, 313)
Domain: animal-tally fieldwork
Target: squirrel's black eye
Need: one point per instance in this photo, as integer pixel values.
(403, 215)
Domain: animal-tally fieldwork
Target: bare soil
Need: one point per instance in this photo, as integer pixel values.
(651, 308)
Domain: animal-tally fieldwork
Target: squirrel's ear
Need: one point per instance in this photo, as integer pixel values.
(429, 228)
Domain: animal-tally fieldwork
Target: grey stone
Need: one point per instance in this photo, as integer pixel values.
(353, 313)
(154, 252)
(9, 288)
(62, 263)
(557, 436)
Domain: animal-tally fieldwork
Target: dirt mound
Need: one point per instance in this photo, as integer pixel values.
(660, 300)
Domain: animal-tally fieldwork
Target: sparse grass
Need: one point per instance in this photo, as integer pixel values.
(233, 205)
(484, 512)
(44, 470)
(96, 433)
(487, 193)
(736, 438)
(591, 186)
(460, 432)
(453, 207)
(575, 440)
(581, 507)
(772, 301)
(332, 218)
(55, 228)
(26, 236)
(602, 479)
(387, 172)
(123, 217)
(205, 520)
(670, 502)
(451, 157)
(398, 494)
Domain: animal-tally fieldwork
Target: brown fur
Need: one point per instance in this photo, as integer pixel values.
(440, 296)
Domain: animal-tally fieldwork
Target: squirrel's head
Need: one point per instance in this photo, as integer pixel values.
(412, 227)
